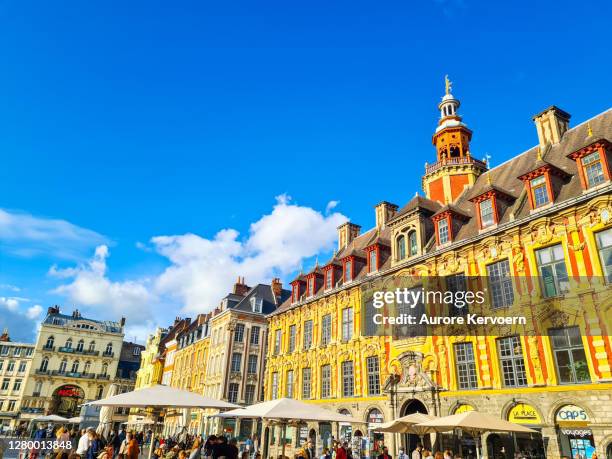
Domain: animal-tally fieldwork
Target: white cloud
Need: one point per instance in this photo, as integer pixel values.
(12, 304)
(10, 287)
(201, 271)
(25, 235)
(331, 205)
(91, 288)
(34, 312)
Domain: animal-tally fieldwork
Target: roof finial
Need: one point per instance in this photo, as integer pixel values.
(539, 154)
(489, 178)
(317, 262)
(448, 84)
(589, 129)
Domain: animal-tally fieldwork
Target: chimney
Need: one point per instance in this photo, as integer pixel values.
(53, 310)
(384, 212)
(122, 322)
(240, 288)
(4, 337)
(346, 233)
(277, 287)
(551, 125)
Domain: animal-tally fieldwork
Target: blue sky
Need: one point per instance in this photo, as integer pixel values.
(143, 129)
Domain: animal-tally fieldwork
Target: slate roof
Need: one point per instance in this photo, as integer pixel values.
(504, 178)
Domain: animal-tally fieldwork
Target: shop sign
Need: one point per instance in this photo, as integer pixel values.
(463, 409)
(375, 417)
(523, 413)
(572, 413)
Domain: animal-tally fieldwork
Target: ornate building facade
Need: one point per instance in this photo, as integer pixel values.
(75, 360)
(539, 228)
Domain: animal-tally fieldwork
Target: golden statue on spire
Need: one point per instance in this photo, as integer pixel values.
(448, 83)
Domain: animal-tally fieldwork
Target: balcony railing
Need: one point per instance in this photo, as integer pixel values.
(429, 168)
(73, 374)
(67, 350)
(32, 410)
(72, 350)
(108, 354)
(48, 348)
(42, 372)
(102, 376)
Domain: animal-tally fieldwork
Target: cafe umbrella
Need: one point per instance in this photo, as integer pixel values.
(473, 422)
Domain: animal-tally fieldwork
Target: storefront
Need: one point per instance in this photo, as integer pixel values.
(575, 436)
(375, 440)
(527, 445)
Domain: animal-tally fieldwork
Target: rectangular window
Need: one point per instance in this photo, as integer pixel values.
(295, 294)
(570, 358)
(311, 286)
(347, 324)
(553, 273)
(289, 392)
(11, 366)
(29, 352)
(255, 335)
(17, 352)
(500, 284)
(308, 334)
(348, 270)
(348, 379)
(249, 394)
(328, 279)
(17, 385)
(604, 244)
(373, 367)
(486, 213)
(443, 235)
(274, 386)
(306, 383)
(326, 381)
(11, 405)
(252, 365)
(593, 170)
(539, 191)
(456, 283)
(326, 325)
(236, 362)
(5, 384)
(232, 396)
(292, 336)
(373, 260)
(277, 342)
(465, 366)
(239, 333)
(512, 362)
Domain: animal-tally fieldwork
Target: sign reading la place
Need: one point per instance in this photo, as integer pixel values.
(523, 413)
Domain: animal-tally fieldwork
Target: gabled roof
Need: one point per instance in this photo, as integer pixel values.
(417, 203)
(265, 293)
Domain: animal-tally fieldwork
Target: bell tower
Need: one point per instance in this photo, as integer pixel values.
(455, 168)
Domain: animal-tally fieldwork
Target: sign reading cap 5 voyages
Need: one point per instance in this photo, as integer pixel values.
(572, 413)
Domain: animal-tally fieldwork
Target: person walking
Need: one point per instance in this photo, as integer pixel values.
(385, 454)
(133, 449)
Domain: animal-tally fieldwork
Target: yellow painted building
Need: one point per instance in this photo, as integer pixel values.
(151, 367)
(538, 229)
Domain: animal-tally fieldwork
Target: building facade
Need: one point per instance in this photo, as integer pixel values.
(125, 378)
(75, 360)
(539, 229)
(15, 362)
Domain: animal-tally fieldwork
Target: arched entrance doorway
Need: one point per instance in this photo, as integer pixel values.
(410, 441)
(375, 439)
(346, 430)
(66, 400)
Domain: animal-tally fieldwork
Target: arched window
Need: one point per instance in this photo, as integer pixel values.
(75, 366)
(80, 345)
(63, 365)
(87, 368)
(69, 343)
(100, 392)
(44, 364)
(50, 342)
(109, 349)
(104, 369)
(92, 346)
(412, 243)
(400, 247)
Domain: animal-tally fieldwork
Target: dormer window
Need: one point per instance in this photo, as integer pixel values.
(373, 260)
(348, 270)
(295, 293)
(400, 247)
(593, 169)
(256, 304)
(443, 232)
(487, 215)
(540, 195)
(412, 243)
(329, 279)
(311, 286)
